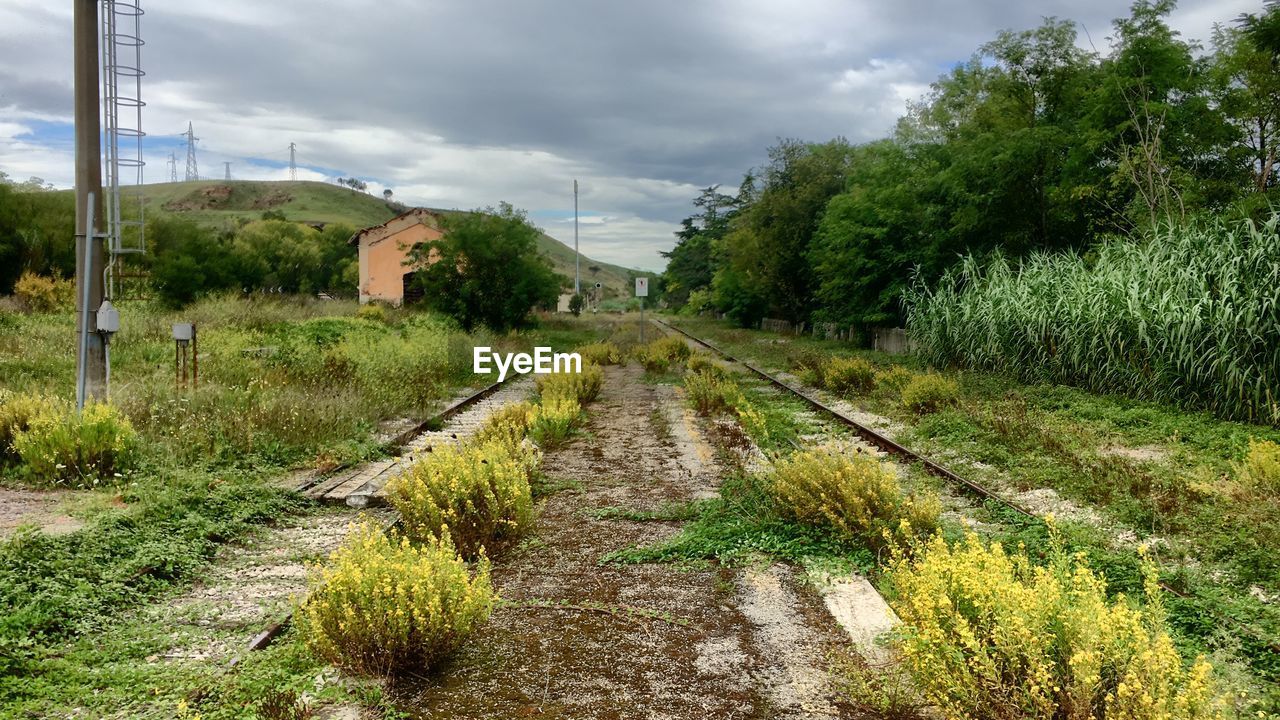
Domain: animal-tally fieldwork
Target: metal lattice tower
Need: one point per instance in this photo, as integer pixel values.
(122, 130)
(228, 175)
(193, 171)
(173, 167)
(293, 161)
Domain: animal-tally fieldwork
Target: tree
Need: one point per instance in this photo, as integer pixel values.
(486, 269)
(386, 194)
(575, 304)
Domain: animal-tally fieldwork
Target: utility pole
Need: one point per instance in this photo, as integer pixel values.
(91, 363)
(577, 273)
(193, 172)
(228, 175)
(293, 161)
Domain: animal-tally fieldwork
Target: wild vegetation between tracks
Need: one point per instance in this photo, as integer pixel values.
(1123, 468)
(385, 605)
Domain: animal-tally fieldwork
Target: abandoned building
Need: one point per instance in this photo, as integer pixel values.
(386, 275)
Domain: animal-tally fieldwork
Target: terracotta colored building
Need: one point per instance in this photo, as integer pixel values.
(384, 251)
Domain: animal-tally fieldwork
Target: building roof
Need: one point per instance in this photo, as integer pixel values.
(416, 212)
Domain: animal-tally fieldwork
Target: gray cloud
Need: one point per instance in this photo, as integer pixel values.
(465, 102)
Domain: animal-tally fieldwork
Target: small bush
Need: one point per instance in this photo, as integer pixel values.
(929, 393)
(856, 496)
(708, 393)
(382, 605)
(703, 363)
(893, 379)
(657, 356)
(603, 353)
(583, 387)
(1260, 470)
(16, 413)
(477, 495)
(848, 375)
(809, 365)
(374, 312)
(40, 294)
(61, 447)
(988, 634)
(557, 416)
(509, 425)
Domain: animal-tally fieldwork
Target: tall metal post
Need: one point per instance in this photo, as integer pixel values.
(90, 253)
(577, 273)
(293, 161)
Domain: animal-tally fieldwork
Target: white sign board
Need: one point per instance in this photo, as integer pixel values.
(642, 287)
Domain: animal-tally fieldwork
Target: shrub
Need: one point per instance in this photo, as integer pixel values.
(603, 353)
(809, 365)
(1260, 470)
(857, 496)
(929, 393)
(894, 378)
(703, 363)
(41, 294)
(557, 416)
(708, 393)
(583, 387)
(477, 495)
(509, 425)
(987, 634)
(374, 312)
(77, 449)
(848, 375)
(382, 605)
(657, 356)
(16, 413)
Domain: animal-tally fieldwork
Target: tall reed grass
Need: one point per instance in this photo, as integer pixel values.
(1190, 315)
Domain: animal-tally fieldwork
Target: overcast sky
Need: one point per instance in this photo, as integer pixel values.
(463, 103)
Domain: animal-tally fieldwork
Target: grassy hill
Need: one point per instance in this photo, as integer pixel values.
(217, 202)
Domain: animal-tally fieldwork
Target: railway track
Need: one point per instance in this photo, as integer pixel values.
(908, 456)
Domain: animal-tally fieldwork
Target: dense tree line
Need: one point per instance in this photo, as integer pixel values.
(184, 260)
(1033, 144)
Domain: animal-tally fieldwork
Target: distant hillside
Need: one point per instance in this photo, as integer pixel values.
(217, 202)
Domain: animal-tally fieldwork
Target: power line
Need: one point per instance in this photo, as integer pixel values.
(193, 172)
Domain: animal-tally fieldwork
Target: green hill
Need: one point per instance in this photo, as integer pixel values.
(218, 202)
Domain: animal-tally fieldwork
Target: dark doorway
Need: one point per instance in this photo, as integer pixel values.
(411, 291)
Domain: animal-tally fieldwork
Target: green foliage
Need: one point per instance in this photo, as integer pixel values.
(929, 393)
(17, 412)
(37, 232)
(704, 363)
(489, 271)
(374, 312)
(855, 496)
(575, 304)
(382, 606)
(164, 529)
(1187, 318)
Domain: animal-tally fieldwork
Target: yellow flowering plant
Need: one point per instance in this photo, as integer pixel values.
(657, 356)
(929, 393)
(477, 494)
(62, 447)
(988, 634)
(848, 375)
(382, 605)
(601, 353)
(857, 496)
(583, 387)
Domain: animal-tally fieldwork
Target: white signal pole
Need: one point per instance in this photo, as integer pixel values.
(577, 273)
